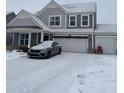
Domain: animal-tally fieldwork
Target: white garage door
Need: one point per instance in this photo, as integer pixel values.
(108, 43)
(73, 44)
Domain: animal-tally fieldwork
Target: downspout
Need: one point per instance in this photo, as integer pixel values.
(93, 34)
(94, 50)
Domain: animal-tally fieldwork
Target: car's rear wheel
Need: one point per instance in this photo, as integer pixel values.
(60, 50)
(48, 54)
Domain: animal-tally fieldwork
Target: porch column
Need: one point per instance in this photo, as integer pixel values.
(42, 36)
(29, 40)
(92, 41)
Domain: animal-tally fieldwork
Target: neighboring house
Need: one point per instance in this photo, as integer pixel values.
(10, 16)
(72, 25)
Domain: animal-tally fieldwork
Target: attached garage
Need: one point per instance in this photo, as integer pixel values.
(106, 36)
(108, 43)
(73, 44)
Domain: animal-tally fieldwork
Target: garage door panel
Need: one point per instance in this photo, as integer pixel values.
(72, 44)
(108, 44)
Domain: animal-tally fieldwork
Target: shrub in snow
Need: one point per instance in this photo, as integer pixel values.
(23, 48)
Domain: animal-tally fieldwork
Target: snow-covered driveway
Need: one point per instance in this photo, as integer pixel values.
(59, 73)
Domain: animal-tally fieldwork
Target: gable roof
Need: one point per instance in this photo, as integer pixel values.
(38, 21)
(52, 3)
(72, 8)
(80, 7)
(34, 19)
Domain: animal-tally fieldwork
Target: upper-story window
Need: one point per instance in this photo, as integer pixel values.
(55, 20)
(84, 20)
(72, 21)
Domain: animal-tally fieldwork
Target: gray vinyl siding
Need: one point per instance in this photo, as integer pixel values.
(79, 22)
(52, 11)
(95, 20)
(23, 22)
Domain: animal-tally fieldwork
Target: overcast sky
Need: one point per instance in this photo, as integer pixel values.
(106, 9)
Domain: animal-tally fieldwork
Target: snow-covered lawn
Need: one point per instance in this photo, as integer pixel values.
(65, 73)
(13, 55)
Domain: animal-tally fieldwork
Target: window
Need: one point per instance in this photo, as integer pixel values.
(10, 39)
(54, 20)
(85, 20)
(24, 39)
(72, 21)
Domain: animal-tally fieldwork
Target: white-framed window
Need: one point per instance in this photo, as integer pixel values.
(72, 20)
(85, 20)
(24, 38)
(55, 21)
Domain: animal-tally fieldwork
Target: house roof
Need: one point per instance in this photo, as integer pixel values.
(80, 7)
(10, 16)
(72, 8)
(36, 20)
(52, 4)
(106, 28)
(76, 31)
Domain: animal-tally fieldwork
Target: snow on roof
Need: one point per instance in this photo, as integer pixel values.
(106, 28)
(37, 20)
(80, 7)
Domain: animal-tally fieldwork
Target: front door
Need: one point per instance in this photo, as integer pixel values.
(46, 36)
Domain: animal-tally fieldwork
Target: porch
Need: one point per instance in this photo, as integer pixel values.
(26, 36)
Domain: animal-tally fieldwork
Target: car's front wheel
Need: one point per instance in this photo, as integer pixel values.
(48, 54)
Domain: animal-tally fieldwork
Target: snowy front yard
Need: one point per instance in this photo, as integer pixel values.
(65, 73)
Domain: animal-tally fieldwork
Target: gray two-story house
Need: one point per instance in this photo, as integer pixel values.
(72, 25)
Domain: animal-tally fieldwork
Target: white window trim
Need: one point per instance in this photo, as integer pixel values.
(88, 20)
(54, 25)
(75, 20)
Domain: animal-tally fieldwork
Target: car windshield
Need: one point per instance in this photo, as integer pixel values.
(43, 45)
(47, 44)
